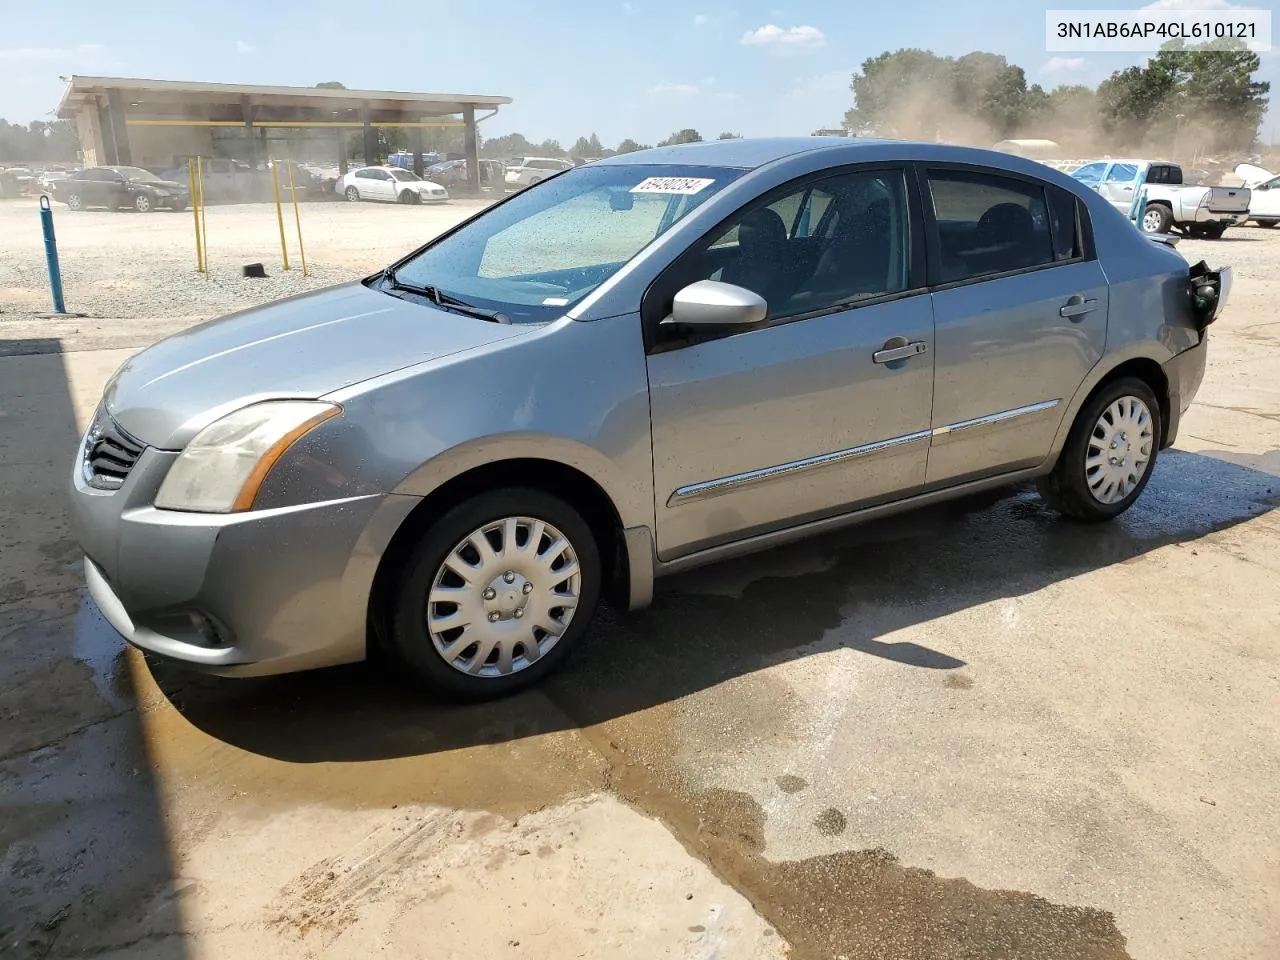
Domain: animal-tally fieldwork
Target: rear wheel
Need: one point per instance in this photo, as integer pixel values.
(1266, 223)
(1212, 231)
(1157, 219)
(496, 593)
(353, 194)
(1109, 454)
(179, 206)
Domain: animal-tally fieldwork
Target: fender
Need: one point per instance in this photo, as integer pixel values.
(1152, 350)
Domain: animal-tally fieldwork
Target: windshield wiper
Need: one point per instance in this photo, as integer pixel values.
(442, 299)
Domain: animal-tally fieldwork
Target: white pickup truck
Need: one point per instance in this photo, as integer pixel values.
(1196, 211)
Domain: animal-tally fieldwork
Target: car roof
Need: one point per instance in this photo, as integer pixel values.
(749, 154)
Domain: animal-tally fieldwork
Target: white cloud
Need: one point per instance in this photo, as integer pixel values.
(34, 54)
(245, 48)
(674, 89)
(1056, 66)
(802, 36)
(701, 20)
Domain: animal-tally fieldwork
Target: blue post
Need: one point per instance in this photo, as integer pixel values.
(51, 254)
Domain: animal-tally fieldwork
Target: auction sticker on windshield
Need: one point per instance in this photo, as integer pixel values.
(681, 185)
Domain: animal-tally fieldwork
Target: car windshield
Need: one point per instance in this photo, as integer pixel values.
(406, 175)
(539, 253)
(137, 173)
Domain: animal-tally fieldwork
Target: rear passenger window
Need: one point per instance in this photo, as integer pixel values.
(988, 224)
(1066, 229)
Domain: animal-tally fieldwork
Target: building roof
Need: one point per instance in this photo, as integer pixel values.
(162, 98)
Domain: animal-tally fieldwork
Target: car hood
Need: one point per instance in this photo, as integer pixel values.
(302, 347)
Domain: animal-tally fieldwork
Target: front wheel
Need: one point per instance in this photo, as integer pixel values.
(353, 194)
(1109, 454)
(142, 203)
(75, 202)
(408, 196)
(496, 593)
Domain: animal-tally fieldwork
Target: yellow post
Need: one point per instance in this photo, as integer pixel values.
(204, 223)
(297, 219)
(275, 183)
(195, 214)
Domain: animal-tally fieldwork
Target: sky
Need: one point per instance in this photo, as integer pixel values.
(618, 68)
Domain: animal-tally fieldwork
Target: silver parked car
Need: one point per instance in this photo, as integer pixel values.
(646, 363)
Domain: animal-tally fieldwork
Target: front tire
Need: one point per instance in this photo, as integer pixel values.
(495, 594)
(408, 196)
(1157, 219)
(75, 202)
(353, 195)
(142, 203)
(1109, 454)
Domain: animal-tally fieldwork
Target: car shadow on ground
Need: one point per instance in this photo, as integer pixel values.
(706, 627)
(85, 865)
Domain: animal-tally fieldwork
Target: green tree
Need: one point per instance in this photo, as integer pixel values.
(687, 135)
(631, 146)
(331, 85)
(39, 141)
(510, 145)
(586, 147)
(901, 92)
(729, 136)
(1222, 98)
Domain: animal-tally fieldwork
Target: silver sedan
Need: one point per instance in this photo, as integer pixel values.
(640, 365)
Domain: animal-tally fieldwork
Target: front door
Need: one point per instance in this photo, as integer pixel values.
(1119, 185)
(823, 408)
(1020, 307)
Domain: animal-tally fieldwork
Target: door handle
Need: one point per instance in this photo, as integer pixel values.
(1077, 306)
(901, 350)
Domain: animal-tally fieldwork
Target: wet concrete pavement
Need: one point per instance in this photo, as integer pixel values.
(974, 732)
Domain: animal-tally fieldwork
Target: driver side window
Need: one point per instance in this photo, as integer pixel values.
(820, 246)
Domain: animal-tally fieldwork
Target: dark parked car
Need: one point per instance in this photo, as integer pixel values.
(116, 187)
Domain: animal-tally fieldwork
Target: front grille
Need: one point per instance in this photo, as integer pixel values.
(108, 454)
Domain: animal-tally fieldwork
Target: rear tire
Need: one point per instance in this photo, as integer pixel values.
(1157, 218)
(179, 206)
(484, 636)
(353, 195)
(1109, 454)
(1212, 231)
(1266, 223)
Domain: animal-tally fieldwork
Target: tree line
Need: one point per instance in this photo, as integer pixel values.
(584, 148)
(38, 141)
(914, 93)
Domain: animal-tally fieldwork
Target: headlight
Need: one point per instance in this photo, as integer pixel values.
(222, 468)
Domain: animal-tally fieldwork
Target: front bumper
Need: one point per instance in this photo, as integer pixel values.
(261, 592)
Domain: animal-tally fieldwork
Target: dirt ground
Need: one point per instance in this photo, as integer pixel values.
(974, 732)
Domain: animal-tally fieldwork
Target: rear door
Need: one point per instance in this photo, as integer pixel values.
(1020, 308)
(825, 407)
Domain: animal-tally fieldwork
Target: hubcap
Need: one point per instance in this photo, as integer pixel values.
(1151, 221)
(503, 597)
(1119, 452)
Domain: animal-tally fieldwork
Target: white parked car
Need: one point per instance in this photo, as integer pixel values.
(1264, 205)
(527, 171)
(391, 184)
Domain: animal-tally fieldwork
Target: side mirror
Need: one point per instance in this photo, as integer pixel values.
(710, 303)
(621, 200)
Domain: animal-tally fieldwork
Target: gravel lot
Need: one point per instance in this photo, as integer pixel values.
(968, 733)
(120, 266)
